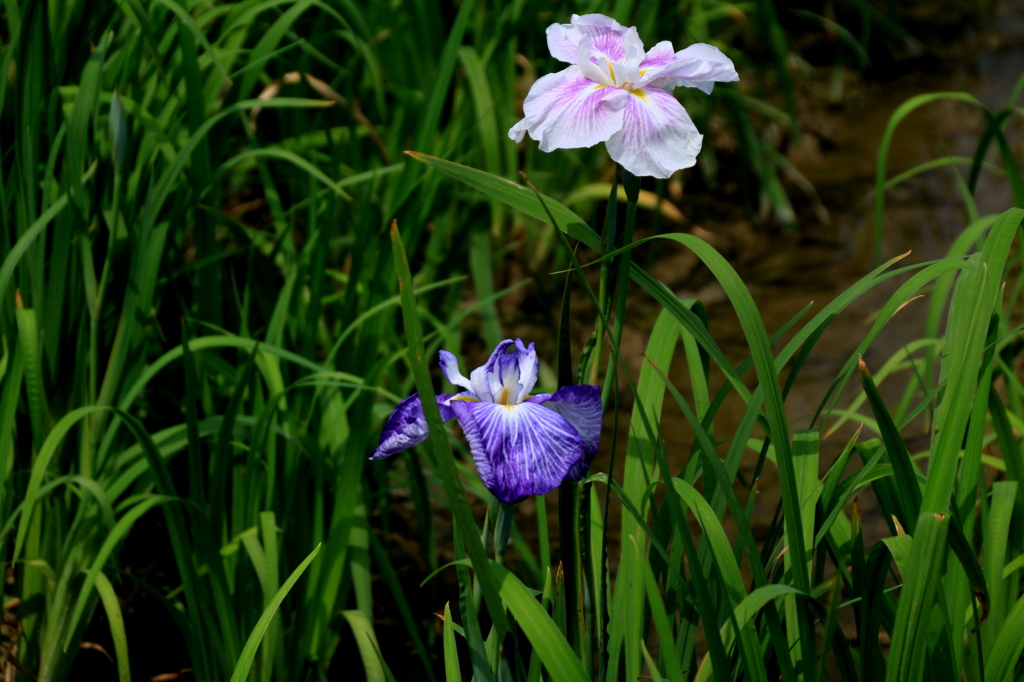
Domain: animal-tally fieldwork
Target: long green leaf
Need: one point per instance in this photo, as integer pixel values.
(241, 671)
(544, 636)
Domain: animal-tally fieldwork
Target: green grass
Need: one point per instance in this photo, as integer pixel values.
(201, 318)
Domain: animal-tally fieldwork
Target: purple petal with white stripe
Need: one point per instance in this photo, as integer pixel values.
(698, 66)
(581, 407)
(657, 137)
(519, 450)
(567, 110)
(407, 425)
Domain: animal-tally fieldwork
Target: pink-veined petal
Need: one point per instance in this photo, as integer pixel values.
(698, 66)
(563, 43)
(657, 136)
(661, 54)
(566, 110)
(605, 33)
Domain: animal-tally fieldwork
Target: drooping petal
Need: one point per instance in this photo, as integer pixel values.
(450, 366)
(581, 407)
(519, 130)
(657, 136)
(698, 66)
(567, 110)
(519, 450)
(605, 33)
(407, 425)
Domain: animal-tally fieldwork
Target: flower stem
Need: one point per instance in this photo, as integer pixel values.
(608, 244)
(568, 499)
(502, 529)
(631, 184)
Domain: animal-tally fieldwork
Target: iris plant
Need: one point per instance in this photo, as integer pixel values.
(615, 92)
(522, 444)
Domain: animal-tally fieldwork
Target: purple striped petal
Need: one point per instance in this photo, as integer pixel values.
(567, 110)
(519, 450)
(581, 407)
(606, 36)
(698, 66)
(657, 136)
(407, 425)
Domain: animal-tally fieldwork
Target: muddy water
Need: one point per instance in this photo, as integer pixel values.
(785, 273)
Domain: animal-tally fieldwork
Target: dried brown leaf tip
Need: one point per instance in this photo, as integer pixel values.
(863, 367)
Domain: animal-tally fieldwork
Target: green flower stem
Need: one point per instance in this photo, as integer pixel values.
(631, 184)
(568, 532)
(502, 529)
(589, 374)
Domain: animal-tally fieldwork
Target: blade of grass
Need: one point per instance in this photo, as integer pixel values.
(248, 655)
(452, 671)
(116, 621)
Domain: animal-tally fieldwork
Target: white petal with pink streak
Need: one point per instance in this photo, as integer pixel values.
(698, 66)
(657, 136)
(606, 34)
(566, 110)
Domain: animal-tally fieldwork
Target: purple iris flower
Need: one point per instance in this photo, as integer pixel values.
(615, 92)
(522, 445)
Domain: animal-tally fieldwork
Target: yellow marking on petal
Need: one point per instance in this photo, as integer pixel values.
(466, 399)
(643, 71)
(598, 86)
(639, 92)
(503, 397)
(611, 70)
